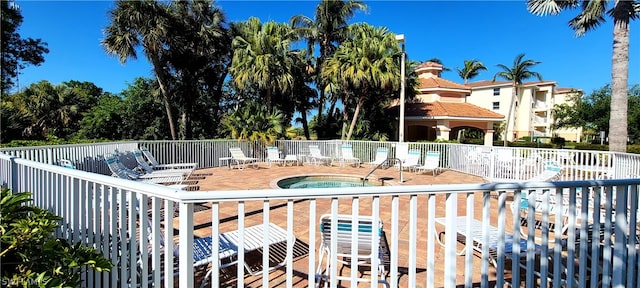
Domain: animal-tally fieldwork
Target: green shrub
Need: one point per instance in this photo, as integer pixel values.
(635, 149)
(31, 256)
(587, 146)
(473, 141)
(558, 141)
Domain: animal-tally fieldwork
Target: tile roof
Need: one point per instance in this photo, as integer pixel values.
(447, 109)
(567, 90)
(429, 64)
(488, 83)
(437, 82)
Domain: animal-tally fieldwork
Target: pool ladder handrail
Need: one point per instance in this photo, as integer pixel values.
(386, 161)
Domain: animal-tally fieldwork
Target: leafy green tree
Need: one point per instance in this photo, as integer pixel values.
(143, 116)
(592, 14)
(593, 112)
(303, 95)
(327, 30)
(254, 122)
(31, 256)
(50, 109)
(262, 58)
(105, 120)
(364, 63)
(17, 52)
(198, 50)
(470, 70)
(517, 73)
(142, 23)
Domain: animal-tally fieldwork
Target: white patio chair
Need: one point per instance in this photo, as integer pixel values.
(119, 170)
(157, 166)
(431, 162)
(147, 168)
(411, 161)
(241, 161)
(316, 156)
(367, 246)
(382, 153)
(229, 243)
(273, 156)
(347, 156)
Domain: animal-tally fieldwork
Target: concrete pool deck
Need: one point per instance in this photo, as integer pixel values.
(262, 178)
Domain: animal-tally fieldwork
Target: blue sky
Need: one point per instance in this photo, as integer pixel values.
(493, 32)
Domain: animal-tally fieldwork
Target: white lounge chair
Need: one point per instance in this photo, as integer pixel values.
(273, 156)
(241, 161)
(229, 245)
(431, 162)
(552, 171)
(157, 166)
(382, 153)
(316, 156)
(477, 236)
(411, 161)
(347, 156)
(119, 170)
(146, 168)
(371, 244)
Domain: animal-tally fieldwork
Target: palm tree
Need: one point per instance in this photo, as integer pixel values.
(253, 122)
(365, 63)
(517, 73)
(142, 23)
(50, 109)
(262, 56)
(589, 18)
(198, 49)
(470, 70)
(328, 30)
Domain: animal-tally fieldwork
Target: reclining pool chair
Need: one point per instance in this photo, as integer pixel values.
(238, 157)
(367, 233)
(157, 166)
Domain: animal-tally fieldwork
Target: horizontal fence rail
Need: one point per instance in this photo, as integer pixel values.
(148, 231)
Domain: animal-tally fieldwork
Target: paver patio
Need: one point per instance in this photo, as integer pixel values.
(263, 178)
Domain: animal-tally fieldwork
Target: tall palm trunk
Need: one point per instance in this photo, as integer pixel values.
(509, 113)
(166, 98)
(619, 83)
(345, 115)
(355, 117)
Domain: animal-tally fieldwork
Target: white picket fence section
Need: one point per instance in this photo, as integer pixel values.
(132, 223)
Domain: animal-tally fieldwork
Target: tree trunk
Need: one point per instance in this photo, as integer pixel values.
(355, 117)
(619, 85)
(345, 115)
(305, 124)
(509, 113)
(165, 96)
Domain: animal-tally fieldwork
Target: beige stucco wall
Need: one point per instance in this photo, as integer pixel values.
(529, 100)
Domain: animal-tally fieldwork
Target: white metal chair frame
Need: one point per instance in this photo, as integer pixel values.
(241, 160)
(382, 153)
(347, 156)
(157, 166)
(367, 249)
(316, 156)
(431, 162)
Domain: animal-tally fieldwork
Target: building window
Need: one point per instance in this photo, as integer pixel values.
(496, 91)
(496, 105)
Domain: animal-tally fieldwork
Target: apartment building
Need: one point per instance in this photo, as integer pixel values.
(443, 108)
(533, 105)
(440, 110)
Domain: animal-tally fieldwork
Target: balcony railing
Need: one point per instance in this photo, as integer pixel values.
(148, 230)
